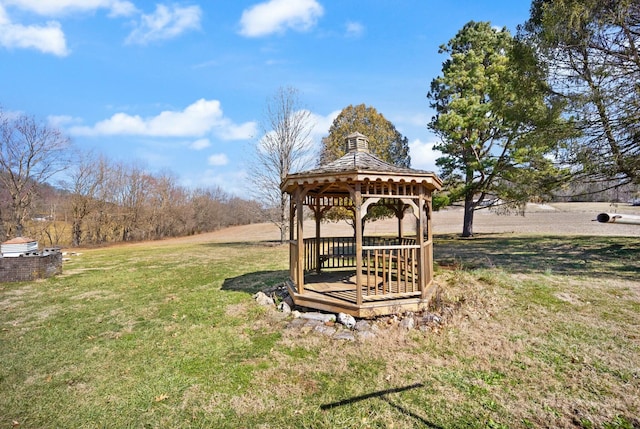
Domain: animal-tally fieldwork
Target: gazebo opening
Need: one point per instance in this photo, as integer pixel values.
(364, 276)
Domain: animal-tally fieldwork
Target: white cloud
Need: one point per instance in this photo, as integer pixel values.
(200, 144)
(218, 159)
(196, 120)
(423, 156)
(165, 23)
(61, 120)
(354, 29)
(62, 7)
(48, 39)
(231, 131)
(275, 16)
(321, 126)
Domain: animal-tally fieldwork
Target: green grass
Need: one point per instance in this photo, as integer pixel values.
(545, 333)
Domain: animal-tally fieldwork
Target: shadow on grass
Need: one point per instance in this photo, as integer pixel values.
(382, 394)
(593, 256)
(255, 282)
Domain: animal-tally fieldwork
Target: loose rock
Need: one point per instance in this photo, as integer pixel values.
(322, 317)
(288, 300)
(284, 307)
(326, 330)
(362, 325)
(345, 335)
(296, 323)
(262, 299)
(408, 323)
(347, 320)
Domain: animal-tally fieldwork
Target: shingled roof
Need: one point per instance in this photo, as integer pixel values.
(359, 164)
(360, 161)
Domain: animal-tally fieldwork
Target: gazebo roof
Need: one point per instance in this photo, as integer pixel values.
(360, 161)
(359, 165)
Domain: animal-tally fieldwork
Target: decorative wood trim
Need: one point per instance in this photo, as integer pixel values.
(366, 204)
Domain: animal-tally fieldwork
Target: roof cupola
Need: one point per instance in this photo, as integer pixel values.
(357, 142)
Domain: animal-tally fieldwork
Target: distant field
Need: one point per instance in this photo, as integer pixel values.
(542, 330)
(555, 218)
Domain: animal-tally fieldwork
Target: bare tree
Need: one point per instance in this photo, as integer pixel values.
(208, 208)
(86, 181)
(30, 153)
(130, 186)
(167, 206)
(284, 148)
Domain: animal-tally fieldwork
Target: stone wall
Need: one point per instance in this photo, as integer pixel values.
(26, 268)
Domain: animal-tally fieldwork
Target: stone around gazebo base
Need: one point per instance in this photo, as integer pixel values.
(340, 326)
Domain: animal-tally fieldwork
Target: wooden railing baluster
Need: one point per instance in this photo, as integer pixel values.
(392, 262)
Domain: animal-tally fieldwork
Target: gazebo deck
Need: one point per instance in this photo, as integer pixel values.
(336, 291)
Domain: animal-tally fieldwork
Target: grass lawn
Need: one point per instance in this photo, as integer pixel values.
(545, 333)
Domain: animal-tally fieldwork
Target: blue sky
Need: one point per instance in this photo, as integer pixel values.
(183, 85)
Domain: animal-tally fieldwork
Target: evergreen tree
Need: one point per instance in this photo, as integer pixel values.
(591, 48)
(495, 124)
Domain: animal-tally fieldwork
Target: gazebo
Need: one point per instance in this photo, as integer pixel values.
(358, 275)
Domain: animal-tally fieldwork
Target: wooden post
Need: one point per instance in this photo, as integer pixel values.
(300, 236)
(422, 283)
(429, 259)
(400, 216)
(357, 202)
(319, 214)
(292, 213)
(293, 246)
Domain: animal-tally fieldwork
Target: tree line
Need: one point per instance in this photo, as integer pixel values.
(98, 200)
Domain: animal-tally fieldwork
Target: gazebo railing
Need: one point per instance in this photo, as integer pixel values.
(340, 252)
(329, 252)
(390, 270)
(389, 265)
